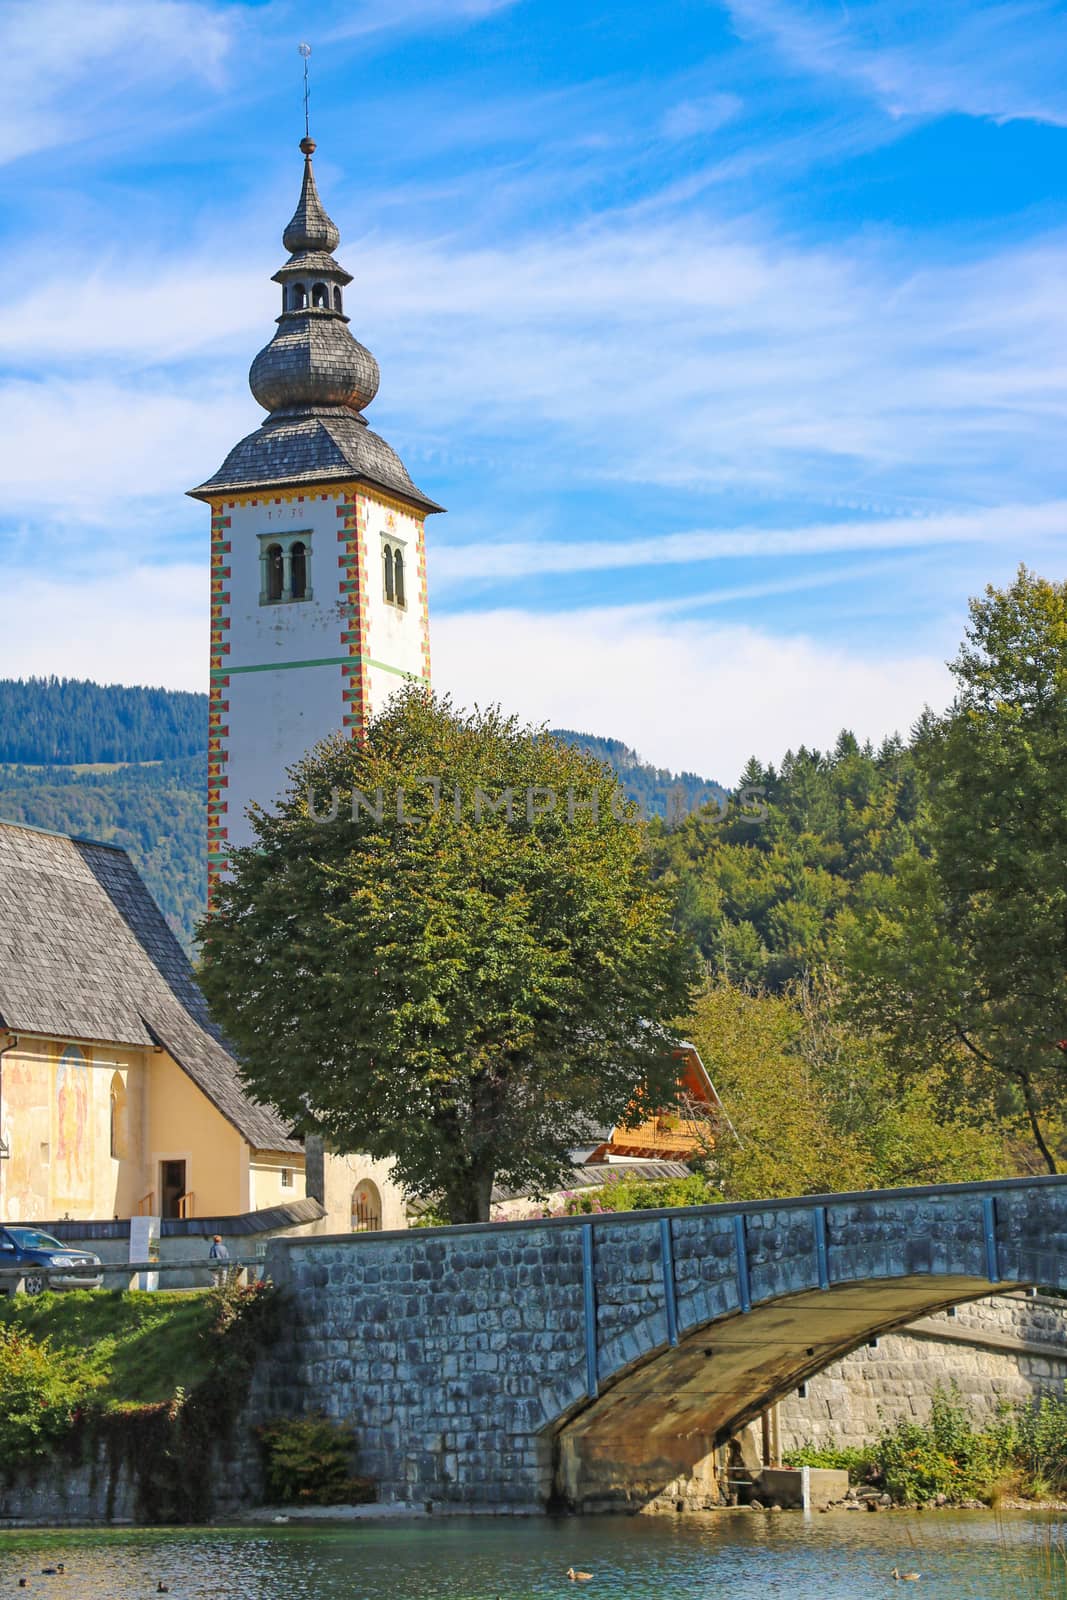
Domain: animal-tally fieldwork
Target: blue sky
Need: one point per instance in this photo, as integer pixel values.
(733, 336)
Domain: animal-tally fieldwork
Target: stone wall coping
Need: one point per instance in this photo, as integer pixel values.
(290, 1214)
(726, 1208)
(977, 1339)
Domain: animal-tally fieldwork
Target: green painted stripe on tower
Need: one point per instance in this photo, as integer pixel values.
(325, 661)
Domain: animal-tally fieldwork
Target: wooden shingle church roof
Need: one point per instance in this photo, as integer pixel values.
(85, 954)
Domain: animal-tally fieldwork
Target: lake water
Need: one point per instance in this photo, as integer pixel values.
(843, 1556)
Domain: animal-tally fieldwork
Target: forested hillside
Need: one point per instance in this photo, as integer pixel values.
(155, 812)
(762, 889)
(658, 792)
(67, 721)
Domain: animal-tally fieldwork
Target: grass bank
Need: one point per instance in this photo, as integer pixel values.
(133, 1349)
(153, 1383)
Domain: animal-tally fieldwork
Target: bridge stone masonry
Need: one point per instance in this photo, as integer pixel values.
(604, 1362)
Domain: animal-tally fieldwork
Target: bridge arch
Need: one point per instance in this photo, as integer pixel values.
(663, 1420)
(754, 1301)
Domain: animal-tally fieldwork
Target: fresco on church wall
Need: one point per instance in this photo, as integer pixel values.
(72, 1154)
(27, 1129)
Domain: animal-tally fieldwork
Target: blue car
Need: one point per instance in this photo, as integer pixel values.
(45, 1263)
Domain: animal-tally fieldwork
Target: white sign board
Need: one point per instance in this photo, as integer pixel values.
(144, 1246)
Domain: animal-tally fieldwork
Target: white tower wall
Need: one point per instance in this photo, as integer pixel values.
(288, 673)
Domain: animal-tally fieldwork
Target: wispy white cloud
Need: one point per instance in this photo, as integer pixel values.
(715, 357)
(69, 68)
(460, 564)
(381, 16)
(173, 309)
(689, 119)
(141, 624)
(95, 451)
(988, 59)
(629, 350)
(688, 695)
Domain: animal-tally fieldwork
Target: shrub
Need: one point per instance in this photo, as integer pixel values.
(309, 1459)
(861, 1465)
(643, 1194)
(1041, 1440)
(947, 1456)
(42, 1394)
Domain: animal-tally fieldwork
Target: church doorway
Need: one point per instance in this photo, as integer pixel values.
(171, 1187)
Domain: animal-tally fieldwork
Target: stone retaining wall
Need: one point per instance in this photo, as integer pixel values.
(95, 1493)
(1008, 1348)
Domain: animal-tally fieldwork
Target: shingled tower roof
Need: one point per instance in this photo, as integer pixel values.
(310, 227)
(313, 378)
(85, 954)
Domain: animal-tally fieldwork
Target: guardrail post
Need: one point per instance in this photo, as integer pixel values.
(670, 1297)
(989, 1232)
(822, 1256)
(589, 1303)
(744, 1291)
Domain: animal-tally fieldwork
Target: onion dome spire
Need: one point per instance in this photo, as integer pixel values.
(313, 377)
(312, 361)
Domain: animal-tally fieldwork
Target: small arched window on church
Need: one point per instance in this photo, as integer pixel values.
(337, 299)
(298, 581)
(398, 577)
(366, 1208)
(298, 297)
(320, 296)
(275, 572)
(120, 1127)
(387, 567)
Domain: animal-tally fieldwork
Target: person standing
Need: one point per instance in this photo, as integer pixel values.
(220, 1255)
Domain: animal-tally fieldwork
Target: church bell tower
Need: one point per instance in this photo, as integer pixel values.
(318, 564)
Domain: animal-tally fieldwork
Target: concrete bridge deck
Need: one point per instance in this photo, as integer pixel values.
(602, 1361)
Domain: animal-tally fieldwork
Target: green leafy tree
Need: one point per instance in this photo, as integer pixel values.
(466, 987)
(962, 960)
(786, 1142)
(816, 1108)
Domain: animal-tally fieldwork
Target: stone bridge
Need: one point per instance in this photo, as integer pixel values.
(603, 1362)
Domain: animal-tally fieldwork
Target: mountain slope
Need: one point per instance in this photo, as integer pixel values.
(67, 721)
(659, 792)
(155, 812)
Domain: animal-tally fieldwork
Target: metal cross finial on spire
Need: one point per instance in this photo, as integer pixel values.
(305, 51)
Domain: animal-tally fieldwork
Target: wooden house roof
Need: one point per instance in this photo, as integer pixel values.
(86, 954)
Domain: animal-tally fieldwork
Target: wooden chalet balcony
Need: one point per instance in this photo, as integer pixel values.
(668, 1138)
